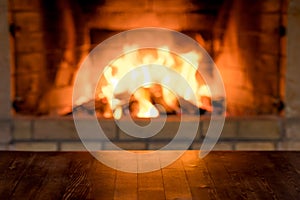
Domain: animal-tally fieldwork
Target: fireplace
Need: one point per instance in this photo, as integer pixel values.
(246, 39)
(52, 39)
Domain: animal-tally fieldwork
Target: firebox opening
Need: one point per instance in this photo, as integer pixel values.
(152, 70)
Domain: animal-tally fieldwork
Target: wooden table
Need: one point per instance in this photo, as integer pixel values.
(220, 175)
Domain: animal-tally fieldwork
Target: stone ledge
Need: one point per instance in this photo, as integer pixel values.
(78, 146)
(167, 132)
(22, 129)
(292, 128)
(5, 131)
(64, 129)
(252, 128)
(289, 145)
(54, 129)
(248, 128)
(230, 128)
(22, 5)
(35, 146)
(220, 146)
(259, 129)
(255, 146)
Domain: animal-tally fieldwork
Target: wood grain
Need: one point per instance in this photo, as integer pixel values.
(220, 175)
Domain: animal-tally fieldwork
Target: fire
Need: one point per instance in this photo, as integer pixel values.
(141, 101)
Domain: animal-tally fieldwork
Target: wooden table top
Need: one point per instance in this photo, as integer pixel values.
(220, 175)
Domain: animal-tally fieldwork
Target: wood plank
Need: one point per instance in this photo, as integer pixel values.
(287, 174)
(222, 180)
(252, 186)
(126, 186)
(10, 177)
(275, 185)
(175, 182)
(268, 179)
(198, 177)
(6, 159)
(66, 176)
(150, 186)
(77, 183)
(220, 175)
(102, 180)
(54, 184)
(293, 157)
(32, 179)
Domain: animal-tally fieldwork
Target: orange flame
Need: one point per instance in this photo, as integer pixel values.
(143, 106)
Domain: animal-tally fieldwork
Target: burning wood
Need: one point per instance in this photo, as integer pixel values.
(117, 96)
(153, 94)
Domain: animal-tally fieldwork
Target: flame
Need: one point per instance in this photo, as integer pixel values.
(145, 108)
(140, 100)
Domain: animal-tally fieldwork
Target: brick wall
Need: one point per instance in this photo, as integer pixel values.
(251, 56)
(50, 134)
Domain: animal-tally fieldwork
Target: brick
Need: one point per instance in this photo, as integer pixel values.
(294, 8)
(223, 147)
(22, 5)
(292, 128)
(4, 147)
(171, 128)
(175, 145)
(171, 6)
(271, 5)
(192, 21)
(266, 23)
(159, 135)
(28, 21)
(267, 60)
(35, 146)
(134, 20)
(220, 146)
(5, 132)
(22, 129)
(54, 129)
(259, 129)
(263, 42)
(108, 127)
(33, 62)
(125, 146)
(78, 146)
(168, 131)
(269, 23)
(124, 6)
(254, 146)
(23, 84)
(229, 129)
(289, 145)
(30, 43)
(242, 96)
(156, 145)
(258, 6)
(267, 89)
